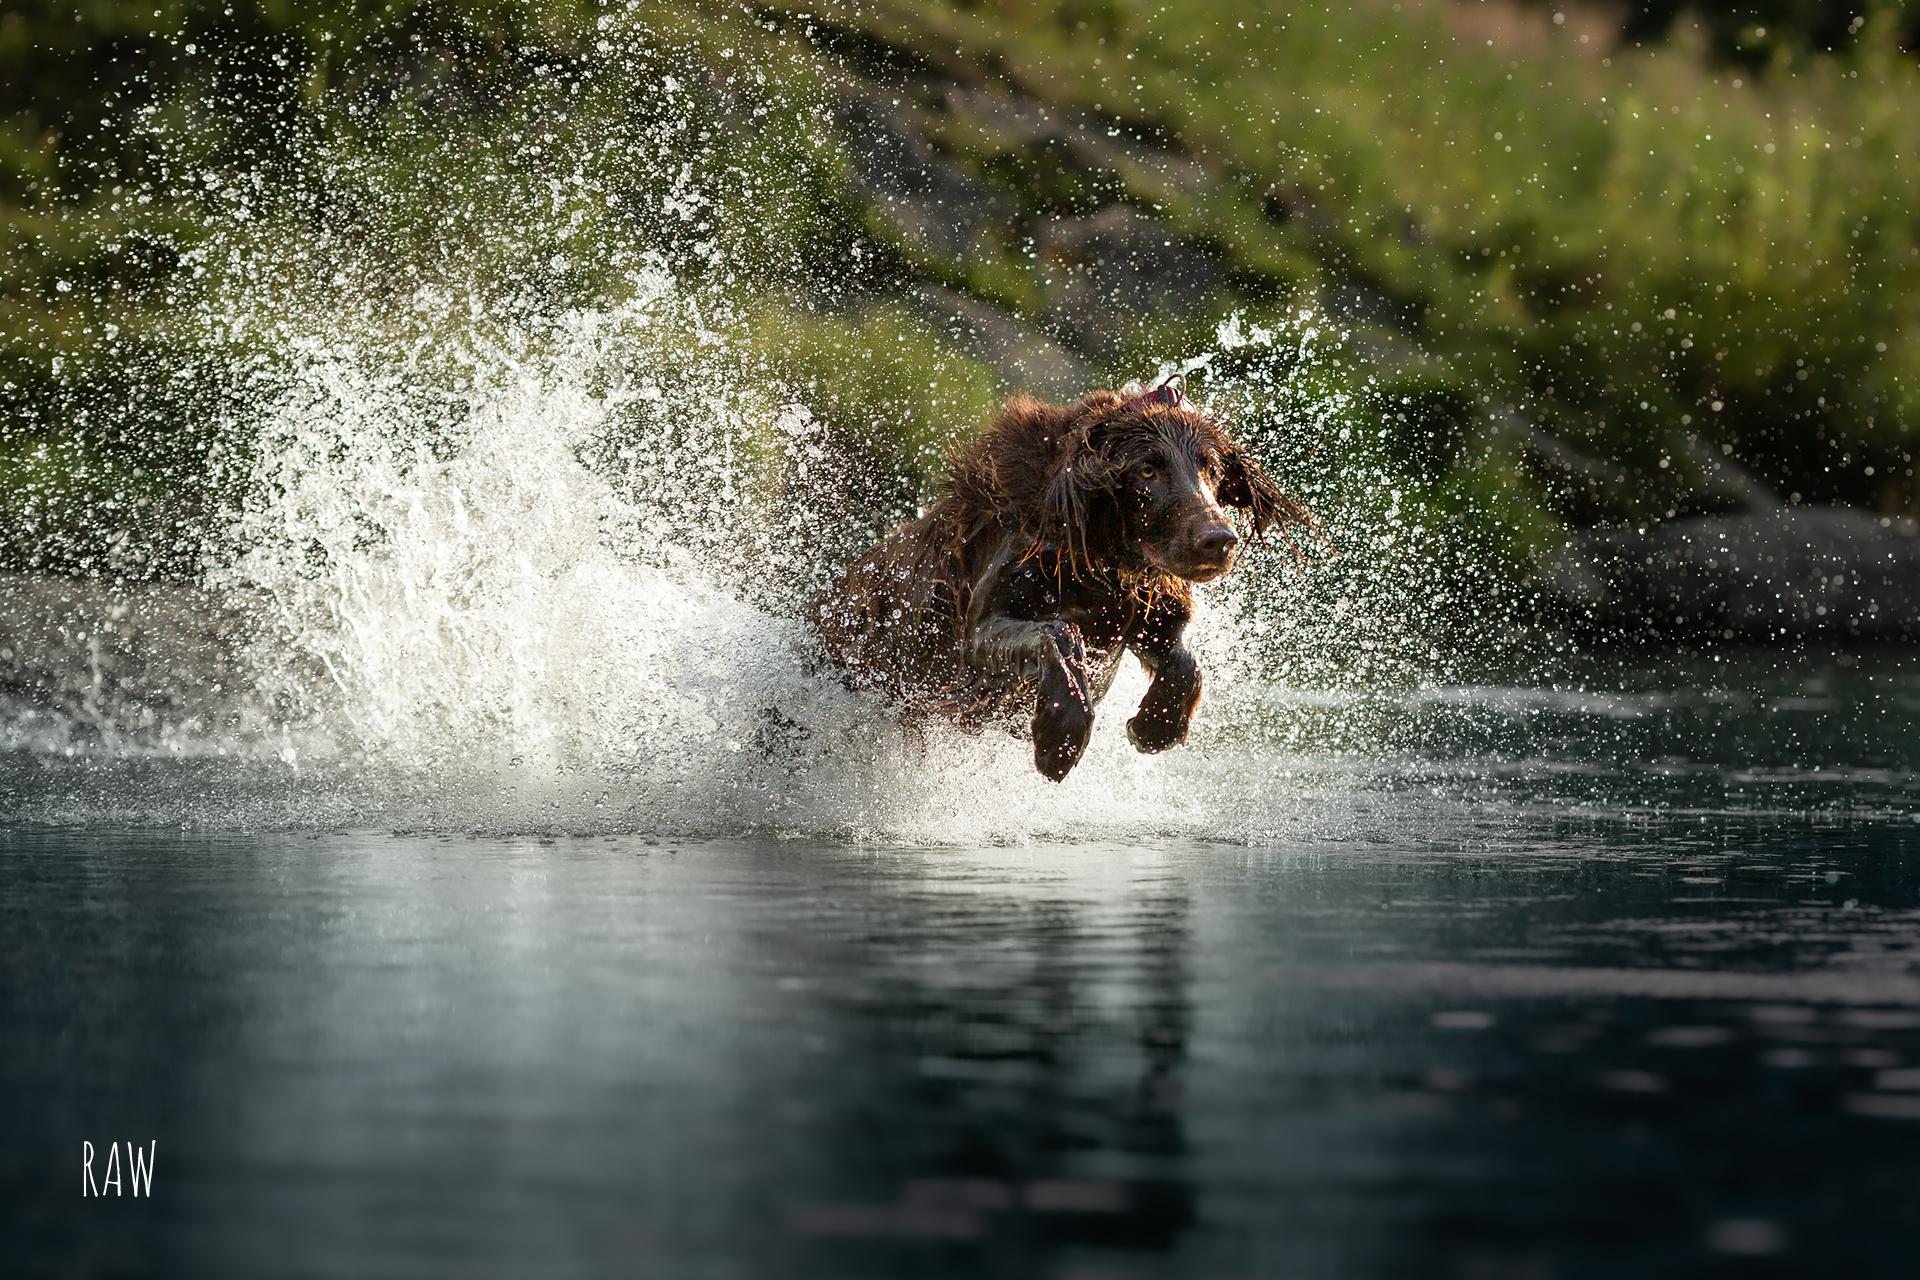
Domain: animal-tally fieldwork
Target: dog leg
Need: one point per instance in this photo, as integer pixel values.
(1171, 700)
(1055, 653)
(1063, 713)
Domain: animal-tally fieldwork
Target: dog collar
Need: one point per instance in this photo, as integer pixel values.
(1172, 392)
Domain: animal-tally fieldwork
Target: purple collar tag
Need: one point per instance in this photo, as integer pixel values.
(1172, 393)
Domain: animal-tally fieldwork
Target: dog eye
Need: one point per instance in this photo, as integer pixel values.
(1148, 472)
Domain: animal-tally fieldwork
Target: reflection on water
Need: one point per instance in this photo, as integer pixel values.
(1463, 1041)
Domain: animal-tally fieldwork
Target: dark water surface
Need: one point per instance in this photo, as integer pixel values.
(1632, 988)
(1527, 1047)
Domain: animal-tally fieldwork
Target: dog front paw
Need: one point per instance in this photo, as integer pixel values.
(1060, 736)
(1063, 715)
(1152, 734)
(1167, 710)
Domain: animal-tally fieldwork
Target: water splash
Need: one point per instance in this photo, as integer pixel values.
(522, 516)
(562, 603)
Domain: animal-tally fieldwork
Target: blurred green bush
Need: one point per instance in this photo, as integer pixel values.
(1647, 249)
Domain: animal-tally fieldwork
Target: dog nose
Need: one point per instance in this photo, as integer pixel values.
(1217, 542)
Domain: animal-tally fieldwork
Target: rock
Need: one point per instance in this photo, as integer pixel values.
(1717, 482)
(937, 206)
(1093, 143)
(1108, 270)
(1770, 574)
(1579, 486)
(1025, 359)
(1588, 490)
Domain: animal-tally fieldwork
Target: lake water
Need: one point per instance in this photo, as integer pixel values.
(1620, 978)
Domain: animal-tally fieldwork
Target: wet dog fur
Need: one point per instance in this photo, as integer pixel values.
(1067, 535)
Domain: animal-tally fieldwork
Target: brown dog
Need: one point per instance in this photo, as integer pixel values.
(1068, 533)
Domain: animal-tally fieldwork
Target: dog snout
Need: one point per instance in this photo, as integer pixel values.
(1217, 542)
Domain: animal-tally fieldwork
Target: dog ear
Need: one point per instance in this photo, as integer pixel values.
(1072, 501)
(1246, 486)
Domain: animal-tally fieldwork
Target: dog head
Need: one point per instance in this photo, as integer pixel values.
(1145, 482)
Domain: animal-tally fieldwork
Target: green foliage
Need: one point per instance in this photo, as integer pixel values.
(1630, 245)
(1642, 248)
(902, 400)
